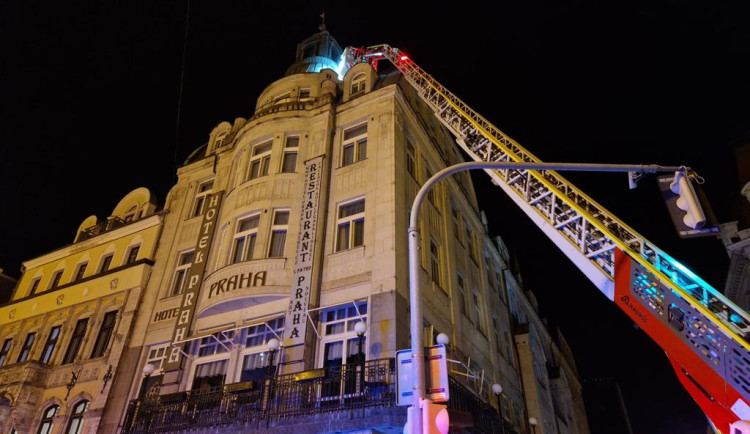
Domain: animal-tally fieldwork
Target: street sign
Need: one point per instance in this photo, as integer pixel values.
(436, 376)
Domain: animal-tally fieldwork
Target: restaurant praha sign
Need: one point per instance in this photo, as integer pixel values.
(299, 299)
(186, 310)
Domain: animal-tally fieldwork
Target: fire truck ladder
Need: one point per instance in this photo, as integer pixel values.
(590, 236)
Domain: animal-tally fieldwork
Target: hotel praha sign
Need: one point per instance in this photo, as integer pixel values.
(295, 323)
(186, 310)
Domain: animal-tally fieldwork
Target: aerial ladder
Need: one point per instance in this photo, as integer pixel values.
(704, 335)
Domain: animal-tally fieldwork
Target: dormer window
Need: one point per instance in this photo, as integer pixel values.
(358, 84)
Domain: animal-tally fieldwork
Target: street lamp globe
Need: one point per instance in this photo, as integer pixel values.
(532, 421)
(273, 344)
(443, 339)
(148, 369)
(360, 328)
(497, 389)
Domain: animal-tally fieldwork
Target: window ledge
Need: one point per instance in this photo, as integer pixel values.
(358, 251)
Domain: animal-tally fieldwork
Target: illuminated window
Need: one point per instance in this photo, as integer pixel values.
(105, 333)
(355, 145)
(75, 341)
(156, 356)
(278, 233)
(244, 239)
(80, 271)
(26, 349)
(133, 254)
(255, 357)
(106, 262)
(56, 279)
(179, 281)
(49, 346)
(76, 418)
(411, 165)
(201, 196)
(435, 262)
(4, 350)
(48, 419)
(339, 340)
(260, 160)
(350, 231)
(289, 162)
(34, 285)
(358, 84)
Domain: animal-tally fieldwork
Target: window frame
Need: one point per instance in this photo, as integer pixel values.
(28, 344)
(411, 159)
(80, 271)
(56, 278)
(76, 341)
(352, 221)
(132, 254)
(103, 338)
(50, 344)
(358, 84)
(5, 350)
(76, 415)
(201, 197)
(181, 270)
(105, 263)
(250, 233)
(435, 268)
(278, 229)
(461, 284)
(357, 143)
(34, 285)
(48, 419)
(291, 151)
(262, 158)
(328, 334)
(260, 333)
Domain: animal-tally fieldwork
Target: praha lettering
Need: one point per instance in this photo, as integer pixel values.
(237, 281)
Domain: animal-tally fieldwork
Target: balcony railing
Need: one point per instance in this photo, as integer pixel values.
(333, 389)
(258, 405)
(110, 224)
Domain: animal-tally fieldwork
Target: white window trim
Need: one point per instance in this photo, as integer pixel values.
(178, 267)
(278, 228)
(246, 235)
(344, 336)
(349, 220)
(356, 142)
(262, 158)
(201, 196)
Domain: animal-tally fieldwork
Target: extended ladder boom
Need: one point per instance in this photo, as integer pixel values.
(618, 260)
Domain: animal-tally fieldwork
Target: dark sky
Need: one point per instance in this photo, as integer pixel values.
(89, 96)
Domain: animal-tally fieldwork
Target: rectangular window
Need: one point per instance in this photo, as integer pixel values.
(488, 266)
(278, 233)
(350, 231)
(80, 271)
(289, 163)
(209, 376)
(34, 285)
(427, 175)
(461, 295)
(4, 350)
(435, 262)
(181, 270)
(304, 93)
(355, 145)
(476, 314)
(133, 254)
(49, 346)
(56, 279)
(456, 224)
(75, 341)
(244, 239)
(260, 160)
(106, 262)
(411, 165)
(201, 196)
(496, 332)
(105, 333)
(470, 244)
(217, 343)
(156, 356)
(26, 349)
(340, 341)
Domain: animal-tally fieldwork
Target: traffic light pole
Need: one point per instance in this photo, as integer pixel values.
(415, 292)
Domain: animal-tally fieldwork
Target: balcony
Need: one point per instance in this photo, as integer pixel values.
(111, 223)
(340, 398)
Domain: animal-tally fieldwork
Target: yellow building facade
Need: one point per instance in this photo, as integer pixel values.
(69, 318)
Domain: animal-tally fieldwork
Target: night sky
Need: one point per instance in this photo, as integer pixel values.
(89, 106)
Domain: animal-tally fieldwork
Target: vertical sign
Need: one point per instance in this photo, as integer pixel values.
(295, 323)
(194, 280)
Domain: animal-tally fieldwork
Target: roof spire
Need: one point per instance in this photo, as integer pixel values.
(322, 25)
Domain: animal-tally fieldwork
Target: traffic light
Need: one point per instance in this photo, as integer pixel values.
(688, 201)
(435, 419)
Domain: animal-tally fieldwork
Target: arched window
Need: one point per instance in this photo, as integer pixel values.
(358, 83)
(76, 418)
(45, 426)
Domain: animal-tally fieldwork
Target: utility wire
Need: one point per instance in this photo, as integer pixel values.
(179, 99)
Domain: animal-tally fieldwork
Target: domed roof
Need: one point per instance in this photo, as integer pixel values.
(317, 52)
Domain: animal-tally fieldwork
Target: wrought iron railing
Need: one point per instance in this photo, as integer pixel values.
(110, 224)
(482, 418)
(333, 389)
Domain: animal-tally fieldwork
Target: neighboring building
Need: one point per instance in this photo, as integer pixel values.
(7, 284)
(70, 317)
(292, 225)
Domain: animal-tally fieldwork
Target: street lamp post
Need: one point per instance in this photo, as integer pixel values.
(533, 422)
(498, 390)
(415, 292)
(360, 327)
(148, 369)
